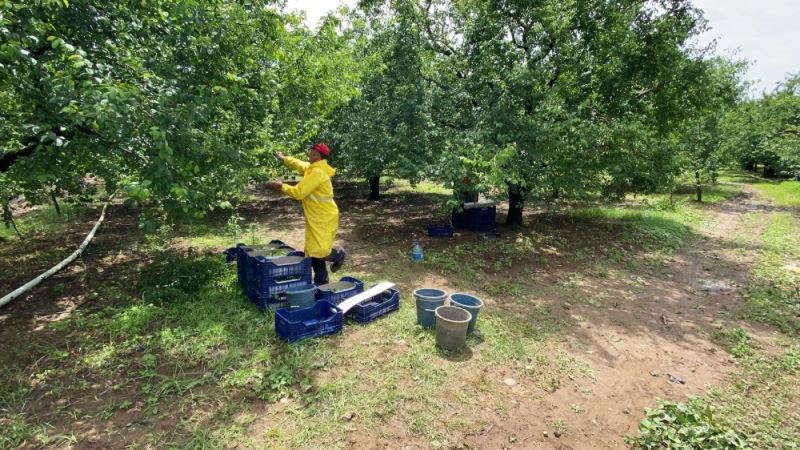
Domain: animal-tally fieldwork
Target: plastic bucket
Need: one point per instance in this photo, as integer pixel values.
(451, 327)
(428, 299)
(301, 296)
(470, 303)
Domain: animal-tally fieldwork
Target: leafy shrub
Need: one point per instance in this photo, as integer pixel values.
(684, 426)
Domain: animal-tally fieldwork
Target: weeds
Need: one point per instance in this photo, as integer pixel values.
(690, 425)
(736, 341)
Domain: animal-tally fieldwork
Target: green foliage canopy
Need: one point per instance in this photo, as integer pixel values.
(176, 101)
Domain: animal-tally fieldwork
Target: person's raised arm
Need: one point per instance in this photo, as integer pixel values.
(305, 187)
(293, 163)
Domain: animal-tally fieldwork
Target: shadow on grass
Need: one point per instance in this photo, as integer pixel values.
(460, 355)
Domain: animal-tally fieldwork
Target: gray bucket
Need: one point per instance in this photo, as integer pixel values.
(301, 296)
(428, 299)
(451, 327)
(470, 303)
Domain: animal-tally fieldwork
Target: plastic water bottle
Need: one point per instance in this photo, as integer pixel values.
(416, 252)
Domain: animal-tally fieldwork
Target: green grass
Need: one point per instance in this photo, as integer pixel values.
(219, 236)
(426, 187)
(189, 343)
(652, 228)
(718, 193)
(735, 340)
(760, 400)
(712, 193)
(43, 220)
(207, 364)
(771, 297)
(685, 194)
(785, 193)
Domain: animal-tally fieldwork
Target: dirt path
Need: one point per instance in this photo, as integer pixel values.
(647, 336)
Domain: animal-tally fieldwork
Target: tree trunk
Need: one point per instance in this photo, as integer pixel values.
(514, 217)
(375, 188)
(769, 171)
(698, 187)
(55, 203)
(8, 218)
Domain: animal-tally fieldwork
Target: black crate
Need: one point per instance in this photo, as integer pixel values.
(377, 306)
(440, 231)
(481, 219)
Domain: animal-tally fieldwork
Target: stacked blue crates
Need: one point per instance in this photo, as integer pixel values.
(480, 217)
(265, 278)
(245, 258)
(274, 276)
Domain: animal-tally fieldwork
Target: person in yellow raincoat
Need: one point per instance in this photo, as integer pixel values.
(315, 191)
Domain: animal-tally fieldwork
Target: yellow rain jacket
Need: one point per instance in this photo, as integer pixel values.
(321, 213)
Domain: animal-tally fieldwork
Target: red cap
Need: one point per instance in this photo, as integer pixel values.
(322, 148)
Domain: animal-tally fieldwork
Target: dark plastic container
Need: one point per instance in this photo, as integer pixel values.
(245, 258)
(274, 296)
(301, 296)
(470, 303)
(427, 300)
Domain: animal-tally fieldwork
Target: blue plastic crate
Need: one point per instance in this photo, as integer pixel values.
(293, 325)
(272, 292)
(380, 305)
(440, 231)
(272, 271)
(245, 258)
(273, 296)
(476, 219)
(270, 277)
(334, 298)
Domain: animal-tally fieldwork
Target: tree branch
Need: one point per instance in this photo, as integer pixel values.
(433, 43)
(8, 159)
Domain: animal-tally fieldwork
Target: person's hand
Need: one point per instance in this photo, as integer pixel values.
(274, 185)
(280, 155)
